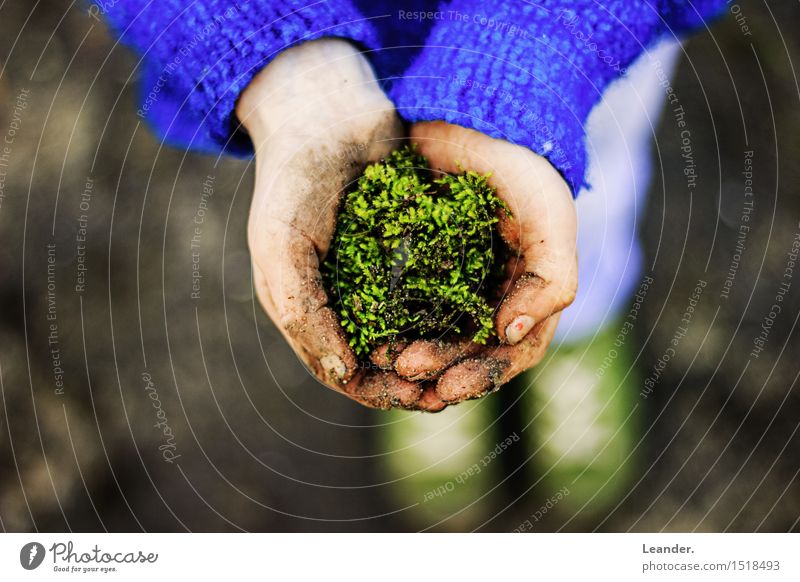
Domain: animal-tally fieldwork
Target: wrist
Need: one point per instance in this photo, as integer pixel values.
(315, 82)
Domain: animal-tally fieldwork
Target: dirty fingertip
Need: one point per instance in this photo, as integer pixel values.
(519, 328)
(385, 356)
(520, 309)
(334, 366)
(418, 361)
(430, 401)
(426, 359)
(469, 379)
(386, 390)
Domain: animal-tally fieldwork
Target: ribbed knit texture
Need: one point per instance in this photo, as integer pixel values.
(526, 72)
(200, 54)
(530, 73)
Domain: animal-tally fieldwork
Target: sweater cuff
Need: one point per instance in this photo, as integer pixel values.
(199, 56)
(508, 83)
(525, 73)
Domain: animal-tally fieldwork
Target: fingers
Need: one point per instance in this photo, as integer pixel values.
(532, 300)
(289, 230)
(470, 379)
(430, 401)
(297, 302)
(299, 217)
(476, 377)
(426, 359)
(514, 269)
(384, 356)
(316, 116)
(383, 390)
(541, 231)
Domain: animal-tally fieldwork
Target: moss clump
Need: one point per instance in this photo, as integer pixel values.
(413, 254)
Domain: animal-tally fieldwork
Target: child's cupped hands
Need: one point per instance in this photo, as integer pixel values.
(317, 116)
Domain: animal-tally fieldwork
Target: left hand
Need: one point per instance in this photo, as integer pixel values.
(542, 274)
(317, 116)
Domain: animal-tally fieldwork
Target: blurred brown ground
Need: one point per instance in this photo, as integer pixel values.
(722, 436)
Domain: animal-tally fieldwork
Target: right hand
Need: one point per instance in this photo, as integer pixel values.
(317, 116)
(542, 273)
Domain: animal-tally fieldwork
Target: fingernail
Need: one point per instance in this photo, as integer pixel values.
(334, 366)
(518, 328)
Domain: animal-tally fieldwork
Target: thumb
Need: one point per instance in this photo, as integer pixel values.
(541, 231)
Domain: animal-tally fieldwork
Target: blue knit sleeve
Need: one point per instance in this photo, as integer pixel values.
(530, 72)
(198, 55)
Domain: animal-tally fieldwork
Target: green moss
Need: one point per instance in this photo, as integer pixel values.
(413, 255)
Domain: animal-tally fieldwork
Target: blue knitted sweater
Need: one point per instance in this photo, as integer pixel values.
(524, 71)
